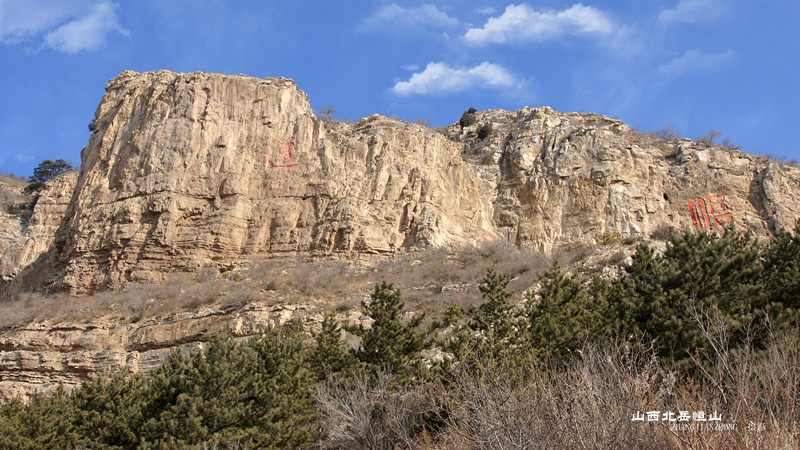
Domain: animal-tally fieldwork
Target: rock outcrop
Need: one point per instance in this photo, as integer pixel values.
(189, 170)
(25, 238)
(186, 170)
(560, 179)
(37, 357)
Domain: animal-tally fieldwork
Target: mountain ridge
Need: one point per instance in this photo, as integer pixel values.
(187, 170)
(208, 173)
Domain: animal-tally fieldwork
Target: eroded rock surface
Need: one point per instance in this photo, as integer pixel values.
(37, 357)
(23, 238)
(564, 179)
(186, 170)
(189, 170)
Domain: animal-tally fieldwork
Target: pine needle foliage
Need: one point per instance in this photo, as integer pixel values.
(562, 316)
(389, 343)
(45, 171)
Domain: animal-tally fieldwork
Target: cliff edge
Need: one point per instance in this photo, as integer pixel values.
(188, 170)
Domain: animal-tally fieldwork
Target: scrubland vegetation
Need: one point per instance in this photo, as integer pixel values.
(710, 325)
(430, 279)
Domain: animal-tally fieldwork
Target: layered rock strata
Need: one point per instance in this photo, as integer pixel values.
(185, 171)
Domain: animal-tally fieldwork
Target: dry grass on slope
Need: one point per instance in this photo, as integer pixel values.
(487, 402)
(429, 280)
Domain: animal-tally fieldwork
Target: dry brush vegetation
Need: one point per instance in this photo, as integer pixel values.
(431, 279)
(709, 325)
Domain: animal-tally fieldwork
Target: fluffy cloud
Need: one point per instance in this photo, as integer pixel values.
(396, 16)
(693, 61)
(87, 33)
(521, 23)
(690, 11)
(440, 78)
(20, 19)
(68, 25)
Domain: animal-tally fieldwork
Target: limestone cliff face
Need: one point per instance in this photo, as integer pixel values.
(563, 179)
(24, 239)
(187, 169)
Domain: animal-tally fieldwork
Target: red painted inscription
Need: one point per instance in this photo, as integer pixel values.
(710, 211)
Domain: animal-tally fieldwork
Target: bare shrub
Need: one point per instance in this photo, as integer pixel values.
(759, 390)
(783, 159)
(571, 254)
(669, 133)
(492, 404)
(608, 238)
(663, 232)
(708, 137)
(363, 412)
(327, 113)
(427, 123)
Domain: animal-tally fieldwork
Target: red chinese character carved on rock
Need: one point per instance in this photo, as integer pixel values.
(709, 211)
(286, 150)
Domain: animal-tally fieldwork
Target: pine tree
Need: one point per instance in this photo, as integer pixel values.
(699, 275)
(46, 170)
(255, 394)
(389, 343)
(495, 318)
(561, 316)
(782, 278)
(329, 356)
(110, 411)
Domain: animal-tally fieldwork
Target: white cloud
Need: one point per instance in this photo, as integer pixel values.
(696, 61)
(523, 23)
(396, 16)
(411, 67)
(66, 25)
(24, 158)
(486, 10)
(87, 33)
(440, 78)
(20, 19)
(691, 11)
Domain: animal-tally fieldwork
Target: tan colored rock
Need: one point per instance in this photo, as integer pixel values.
(187, 169)
(38, 357)
(23, 241)
(561, 179)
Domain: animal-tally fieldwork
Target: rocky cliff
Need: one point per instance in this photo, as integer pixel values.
(558, 179)
(37, 357)
(185, 171)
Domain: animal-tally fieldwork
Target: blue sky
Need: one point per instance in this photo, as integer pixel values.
(730, 66)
